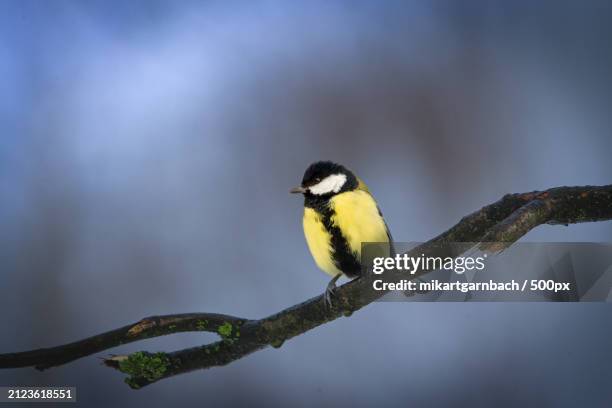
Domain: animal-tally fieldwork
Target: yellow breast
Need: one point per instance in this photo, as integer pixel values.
(319, 241)
(356, 214)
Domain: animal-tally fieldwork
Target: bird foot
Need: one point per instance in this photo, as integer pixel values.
(330, 291)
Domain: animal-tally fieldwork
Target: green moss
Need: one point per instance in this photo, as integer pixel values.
(225, 330)
(133, 384)
(201, 324)
(144, 365)
(277, 343)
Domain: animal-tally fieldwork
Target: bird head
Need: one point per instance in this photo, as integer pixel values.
(325, 179)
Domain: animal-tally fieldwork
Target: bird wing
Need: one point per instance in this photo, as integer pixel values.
(363, 187)
(391, 246)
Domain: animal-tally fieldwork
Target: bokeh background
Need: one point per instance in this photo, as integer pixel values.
(147, 149)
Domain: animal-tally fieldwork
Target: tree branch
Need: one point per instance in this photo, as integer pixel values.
(146, 328)
(496, 226)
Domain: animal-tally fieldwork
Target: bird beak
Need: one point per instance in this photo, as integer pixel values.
(297, 190)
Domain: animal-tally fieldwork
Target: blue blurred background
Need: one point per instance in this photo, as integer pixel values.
(147, 149)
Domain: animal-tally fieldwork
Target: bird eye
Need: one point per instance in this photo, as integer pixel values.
(317, 179)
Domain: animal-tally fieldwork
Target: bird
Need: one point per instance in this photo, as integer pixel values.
(340, 214)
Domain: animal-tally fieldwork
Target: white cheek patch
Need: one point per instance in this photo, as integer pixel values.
(329, 184)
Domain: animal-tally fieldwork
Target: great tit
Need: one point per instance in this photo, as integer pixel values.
(339, 214)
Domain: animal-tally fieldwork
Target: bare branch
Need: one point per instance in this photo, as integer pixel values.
(503, 221)
(146, 328)
(565, 205)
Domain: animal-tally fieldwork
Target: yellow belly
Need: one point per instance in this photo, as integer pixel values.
(319, 242)
(356, 215)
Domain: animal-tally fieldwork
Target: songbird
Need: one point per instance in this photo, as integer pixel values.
(339, 214)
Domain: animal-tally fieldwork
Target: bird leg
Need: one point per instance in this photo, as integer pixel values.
(331, 289)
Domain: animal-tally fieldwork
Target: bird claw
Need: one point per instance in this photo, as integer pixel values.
(330, 292)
